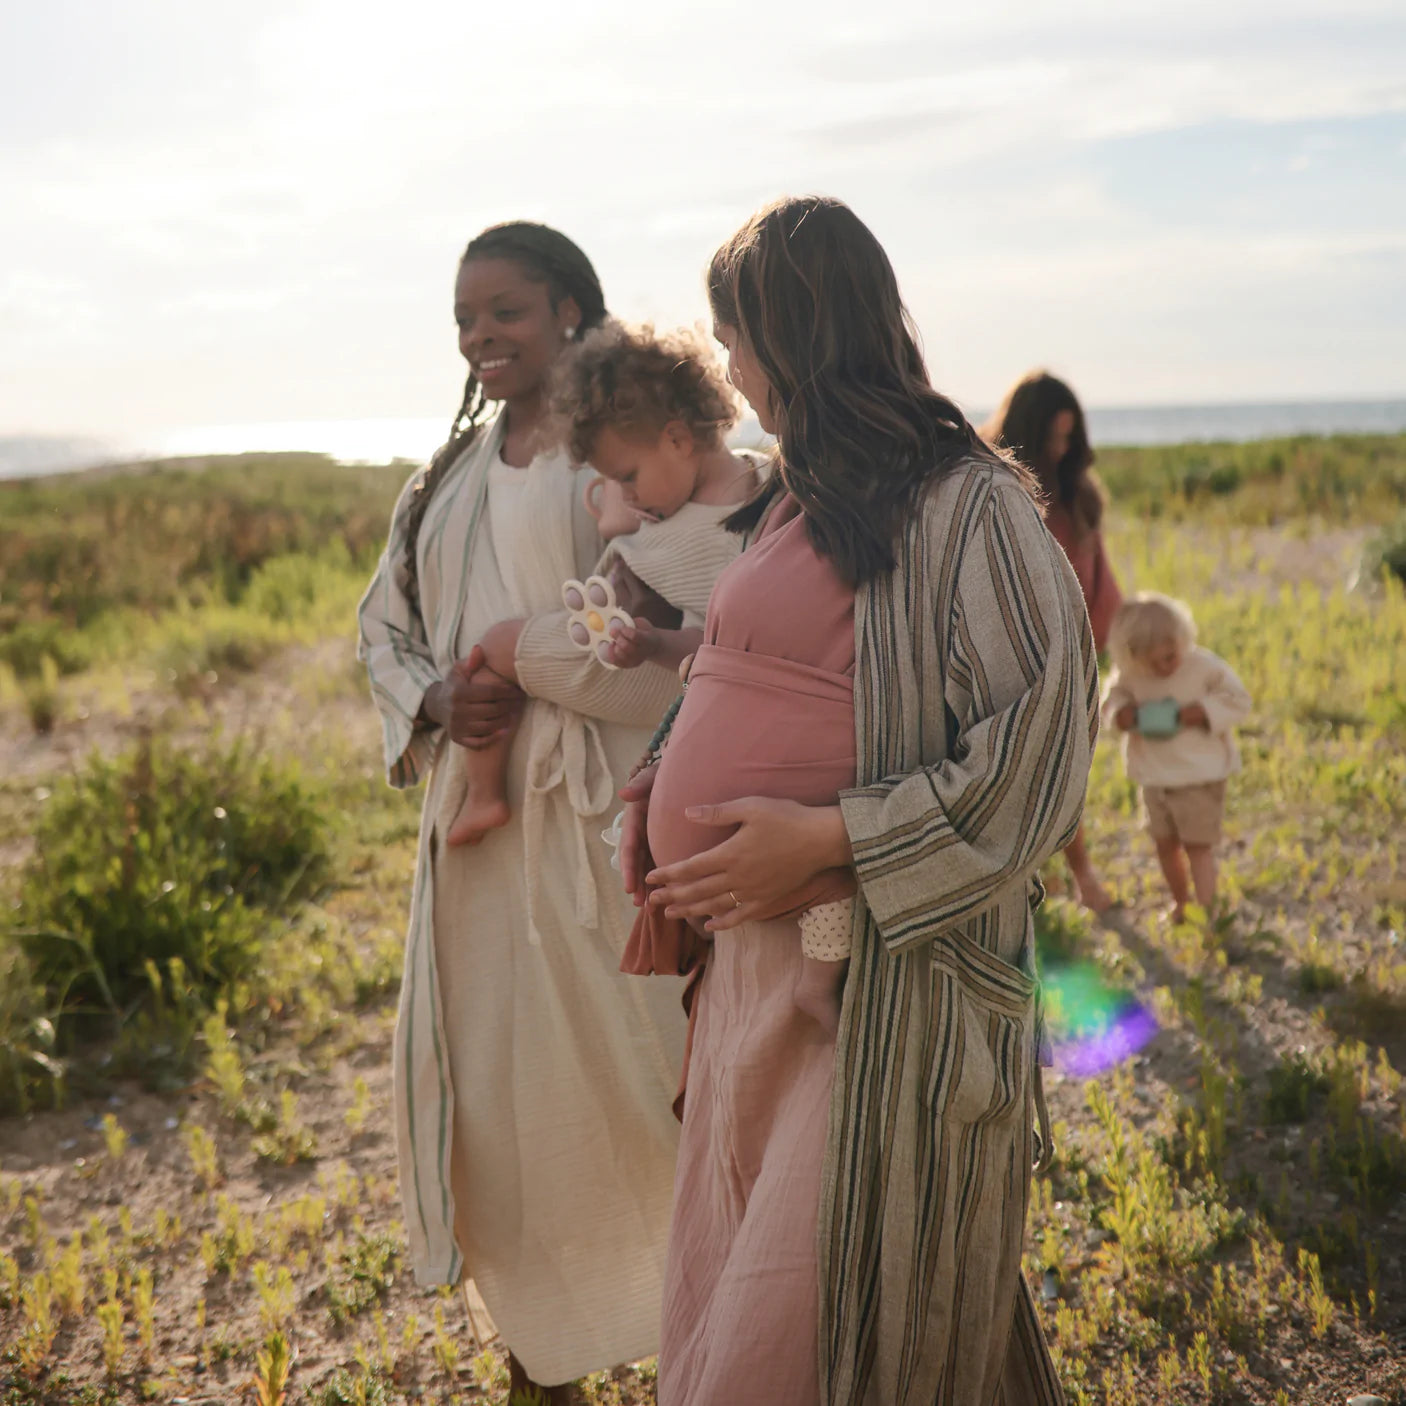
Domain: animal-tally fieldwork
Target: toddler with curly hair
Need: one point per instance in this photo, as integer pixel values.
(649, 414)
(1176, 705)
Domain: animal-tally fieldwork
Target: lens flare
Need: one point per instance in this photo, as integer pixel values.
(1092, 1026)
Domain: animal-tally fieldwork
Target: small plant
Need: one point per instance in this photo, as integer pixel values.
(1294, 1085)
(364, 1275)
(363, 1389)
(446, 1349)
(1316, 1299)
(67, 1276)
(9, 1280)
(114, 1137)
(42, 698)
(204, 1155)
(223, 1067)
(271, 1377)
(278, 1295)
(360, 1109)
(144, 1309)
(114, 1346)
(40, 1325)
(290, 1140)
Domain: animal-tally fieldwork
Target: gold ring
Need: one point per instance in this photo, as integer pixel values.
(736, 902)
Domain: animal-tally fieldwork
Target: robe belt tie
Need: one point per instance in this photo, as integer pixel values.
(564, 750)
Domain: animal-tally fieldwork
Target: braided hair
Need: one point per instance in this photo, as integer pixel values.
(545, 256)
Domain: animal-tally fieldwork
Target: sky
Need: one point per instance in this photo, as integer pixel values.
(222, 212)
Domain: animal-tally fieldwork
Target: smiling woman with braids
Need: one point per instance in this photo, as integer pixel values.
(850, 1206)
(532, 1082)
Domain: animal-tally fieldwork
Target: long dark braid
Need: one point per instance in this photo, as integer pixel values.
(547, 256)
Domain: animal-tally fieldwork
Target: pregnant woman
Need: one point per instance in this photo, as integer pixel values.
(849, 1209)
(532, 1082)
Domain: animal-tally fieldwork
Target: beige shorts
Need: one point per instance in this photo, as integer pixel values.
(1191, 814)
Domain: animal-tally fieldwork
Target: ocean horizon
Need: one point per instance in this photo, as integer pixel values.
(414, 439)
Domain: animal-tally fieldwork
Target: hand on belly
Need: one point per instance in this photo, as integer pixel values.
(775, 848)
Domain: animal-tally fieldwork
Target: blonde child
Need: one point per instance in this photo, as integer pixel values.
(650, 414)
(1176, 705)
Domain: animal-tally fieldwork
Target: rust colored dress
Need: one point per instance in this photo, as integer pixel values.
(1089, 558)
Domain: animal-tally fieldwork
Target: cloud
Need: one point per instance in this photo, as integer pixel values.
(255, 208)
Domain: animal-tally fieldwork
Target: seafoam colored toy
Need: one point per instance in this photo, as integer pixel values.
(593, 612)
(1161, 718)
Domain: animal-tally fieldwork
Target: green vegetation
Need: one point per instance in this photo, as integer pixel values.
(164, 867)
(1222, 1223)
(1335, 479)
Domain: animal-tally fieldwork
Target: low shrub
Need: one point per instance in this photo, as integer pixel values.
(163, 863)
(193, 649)
(1385, 554)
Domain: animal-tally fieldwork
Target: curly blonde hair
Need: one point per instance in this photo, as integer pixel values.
(636, 381)
(1144, 621)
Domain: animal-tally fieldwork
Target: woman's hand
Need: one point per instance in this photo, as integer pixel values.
(474, 712)
(778, 846)
(635, 859)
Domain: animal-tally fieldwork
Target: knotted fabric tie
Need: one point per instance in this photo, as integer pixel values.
(565, 750)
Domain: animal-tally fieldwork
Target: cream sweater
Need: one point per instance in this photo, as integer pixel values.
(1195, 755)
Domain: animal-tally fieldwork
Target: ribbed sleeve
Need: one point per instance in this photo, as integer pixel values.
(682, 556)
(549, 666)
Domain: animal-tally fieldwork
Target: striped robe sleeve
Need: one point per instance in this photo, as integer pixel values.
(399, 662)
(934, 848)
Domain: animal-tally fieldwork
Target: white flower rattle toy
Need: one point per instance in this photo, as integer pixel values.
(593, 614)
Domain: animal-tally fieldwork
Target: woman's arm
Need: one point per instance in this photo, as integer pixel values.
(399, 662)
(1105, 597)
(931, 849)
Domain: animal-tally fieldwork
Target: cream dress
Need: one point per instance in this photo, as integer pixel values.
(533, 1081)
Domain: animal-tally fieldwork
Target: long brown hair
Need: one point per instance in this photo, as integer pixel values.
(861, 431)
(1022, 426)
(545, 256)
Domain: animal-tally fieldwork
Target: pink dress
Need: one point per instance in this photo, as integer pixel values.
(769, 711)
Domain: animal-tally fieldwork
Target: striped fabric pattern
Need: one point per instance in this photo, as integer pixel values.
(976, 698)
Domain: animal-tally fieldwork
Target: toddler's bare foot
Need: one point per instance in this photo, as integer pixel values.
(477, 816)
(818, 992)
(1175, 915)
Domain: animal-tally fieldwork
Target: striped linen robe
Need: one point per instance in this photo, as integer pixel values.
(976, 697)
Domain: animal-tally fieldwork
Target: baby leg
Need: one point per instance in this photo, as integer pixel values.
(485, 805)
(825, 946)
(819, 988)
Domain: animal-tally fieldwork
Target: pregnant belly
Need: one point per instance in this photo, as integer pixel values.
(749, 726)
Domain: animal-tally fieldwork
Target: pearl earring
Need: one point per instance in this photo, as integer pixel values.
(570, 334)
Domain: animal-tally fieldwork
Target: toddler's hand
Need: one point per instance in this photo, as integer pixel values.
(1125, 719)
(629, 648)
(1194, 715)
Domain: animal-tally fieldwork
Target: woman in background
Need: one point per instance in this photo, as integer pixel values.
(1042, 423)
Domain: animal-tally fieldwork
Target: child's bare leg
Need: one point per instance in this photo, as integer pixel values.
(1091, 893)
(1202, 859)
(1173, 861)
(818, 990)
(485, 804)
